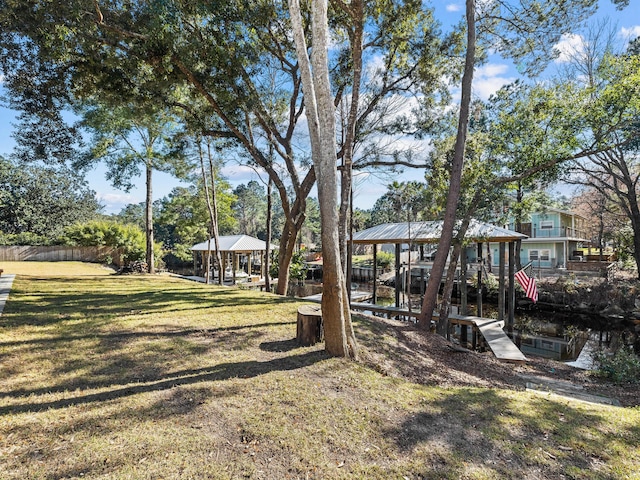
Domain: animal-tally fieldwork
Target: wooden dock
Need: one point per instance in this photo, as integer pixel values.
(491, 330)
(389, 312)
(356, 296)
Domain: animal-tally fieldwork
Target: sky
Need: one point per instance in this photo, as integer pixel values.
(368, 187)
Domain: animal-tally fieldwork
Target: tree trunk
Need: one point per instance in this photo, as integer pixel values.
(442, 328)
(285, 254)
(320, 111)
(518, 221)
(635, 225)
(356, 11)
(149, 220)
(431, 293)
(267, 257)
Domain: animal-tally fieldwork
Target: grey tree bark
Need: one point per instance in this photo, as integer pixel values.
(320, 111)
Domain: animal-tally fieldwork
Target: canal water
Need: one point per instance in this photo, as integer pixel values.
(571, 338)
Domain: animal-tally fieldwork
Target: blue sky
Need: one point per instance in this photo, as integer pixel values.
(369, 187)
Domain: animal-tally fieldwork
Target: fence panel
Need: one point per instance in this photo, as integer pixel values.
(25, 253)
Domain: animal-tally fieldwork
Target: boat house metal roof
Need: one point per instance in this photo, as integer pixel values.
(430, 232)
(234, 243)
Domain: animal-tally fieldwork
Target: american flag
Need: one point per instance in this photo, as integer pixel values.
(528, 282)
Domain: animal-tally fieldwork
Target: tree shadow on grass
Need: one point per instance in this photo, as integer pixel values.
(480, 427)
(130, 357)
(223, 371)
(280, 345)
(107, 298)
(124, 336)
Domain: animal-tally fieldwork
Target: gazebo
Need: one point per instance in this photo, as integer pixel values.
(424, 233)
(232, 248)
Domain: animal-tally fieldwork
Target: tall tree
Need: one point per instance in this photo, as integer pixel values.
(455, 175)
(250, 208)
(233, 60)
(339, 337)
(610, 83)
(182, 219)
(132, 139)
(525, 31)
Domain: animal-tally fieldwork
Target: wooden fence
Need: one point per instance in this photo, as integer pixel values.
(19, 253)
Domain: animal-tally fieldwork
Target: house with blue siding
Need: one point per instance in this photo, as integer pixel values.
(554, 238)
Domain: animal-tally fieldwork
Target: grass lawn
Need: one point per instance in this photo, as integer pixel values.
(138, 377)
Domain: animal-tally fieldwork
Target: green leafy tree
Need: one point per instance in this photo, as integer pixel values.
(133, 139)
(526, 32)
(229, 65)
(183, 219)
(250, 208)
(42, 200)
(612, 110)
(130, 239)
(134, 213)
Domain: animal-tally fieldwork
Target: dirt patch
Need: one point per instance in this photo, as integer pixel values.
(429, 359)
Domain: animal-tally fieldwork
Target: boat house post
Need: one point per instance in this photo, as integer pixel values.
(501, 283)
(511, 299)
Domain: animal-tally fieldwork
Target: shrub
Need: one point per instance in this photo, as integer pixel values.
(128, 237)
(297, 268)
(385, 259)
(25, 238)
(623, 366)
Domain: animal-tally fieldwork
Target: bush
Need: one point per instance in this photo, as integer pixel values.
(297, 268)
(25, 238)
(622, 367)
(128, 237)
(385, 259)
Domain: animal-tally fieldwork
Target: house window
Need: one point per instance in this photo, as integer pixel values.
(546, 224)
(547, 345)
(542, 255)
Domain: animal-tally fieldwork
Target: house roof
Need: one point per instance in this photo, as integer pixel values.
(430, 232)
(234, 243)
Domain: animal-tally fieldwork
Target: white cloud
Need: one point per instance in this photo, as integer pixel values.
(489, 78)
(238, 173)
(453, 7)
(569, 45)
(114, 202)
(630, 33)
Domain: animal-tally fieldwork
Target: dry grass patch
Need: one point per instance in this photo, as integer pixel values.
(116, 377)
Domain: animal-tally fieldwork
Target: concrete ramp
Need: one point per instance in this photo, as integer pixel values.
(5, 287)
(499, 343)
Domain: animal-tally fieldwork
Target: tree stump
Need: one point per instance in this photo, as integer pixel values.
(309, 328)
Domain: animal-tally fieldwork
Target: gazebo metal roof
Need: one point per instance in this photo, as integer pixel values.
(234, 243)
(430, 232)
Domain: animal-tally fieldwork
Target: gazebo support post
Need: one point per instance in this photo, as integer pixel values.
(224, 268)
(398, 279)
(463, 282)
(375, 273)
(511, 299)
(422, 284)
(234, 266)
(479, 297)
(501, 283)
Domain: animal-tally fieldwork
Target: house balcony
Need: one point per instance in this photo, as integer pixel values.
(555, 232)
